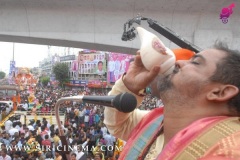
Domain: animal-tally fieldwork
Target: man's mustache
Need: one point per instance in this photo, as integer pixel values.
(176, 69)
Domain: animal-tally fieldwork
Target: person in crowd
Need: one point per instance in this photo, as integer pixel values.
(22, 129)
(46, 143)
(44, 109)
(1, 137)
(58, 155)
(4, 155)
(201, 109)
(56, 139)
(7, 139)
(34, 110)
(86, 117)
(30, 126)
(25, 106)
(17, 155)
(8, 125)
(98, 156)
(13, 130)
(3, 128)
(91, 117)
(80, 155)
(83, 136)
(110, 141)
(81, 116)
(49, 156)
(96, 118)
(73, 156)
(22, 138)
(104, 129)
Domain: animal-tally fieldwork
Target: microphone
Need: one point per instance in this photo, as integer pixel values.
(124, 102)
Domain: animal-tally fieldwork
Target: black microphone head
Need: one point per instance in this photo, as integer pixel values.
(124, 36)
(125, 102)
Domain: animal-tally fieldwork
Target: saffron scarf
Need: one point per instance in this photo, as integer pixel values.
(143, 135)
(208, 138)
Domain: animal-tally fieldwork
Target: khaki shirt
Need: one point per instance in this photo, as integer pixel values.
(121, 124)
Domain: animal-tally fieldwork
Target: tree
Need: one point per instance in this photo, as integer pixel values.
(45, 80)
(61, 72)
(2, 75)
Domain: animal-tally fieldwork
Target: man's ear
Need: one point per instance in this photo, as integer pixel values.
(222, 93)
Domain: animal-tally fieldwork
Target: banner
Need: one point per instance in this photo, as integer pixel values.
(67, 58)
(55, 59)
(78, 82)
(92, 63)
(74, 65)
(96, 84)
(117, 64)
(12, 67)
(12, 72)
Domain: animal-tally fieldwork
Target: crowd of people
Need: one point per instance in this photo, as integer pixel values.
(85, 132)
(200, 119)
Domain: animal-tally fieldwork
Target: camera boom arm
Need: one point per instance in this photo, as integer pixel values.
(129, 34)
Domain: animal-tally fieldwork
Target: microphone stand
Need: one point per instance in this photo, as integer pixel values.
(60, 128)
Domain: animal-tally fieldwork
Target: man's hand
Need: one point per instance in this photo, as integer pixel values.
(138, 77)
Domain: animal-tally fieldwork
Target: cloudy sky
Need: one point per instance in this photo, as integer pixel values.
(25, 55)
(28, 55)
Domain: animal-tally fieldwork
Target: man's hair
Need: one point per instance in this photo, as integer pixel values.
(46, 136)
(98, 154)
(228, 72)
(49, 155)
(4, 151)
(74, 154)
(100, 62)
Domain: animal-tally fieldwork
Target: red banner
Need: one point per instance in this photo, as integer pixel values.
(97, 84)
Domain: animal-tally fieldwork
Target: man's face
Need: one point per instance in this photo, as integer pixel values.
(97, 157)
(100, 66)
(3, 147)
(73, 157)
(15, 156)
(3, 154)
(81, 57)
(191, 77)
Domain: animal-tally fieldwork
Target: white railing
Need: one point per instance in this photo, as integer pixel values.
(39, 113)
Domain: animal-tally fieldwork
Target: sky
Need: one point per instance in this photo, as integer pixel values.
(25, 55)
(28, 55)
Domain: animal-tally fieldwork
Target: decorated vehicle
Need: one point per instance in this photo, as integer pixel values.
(10, 94)
(25, 79)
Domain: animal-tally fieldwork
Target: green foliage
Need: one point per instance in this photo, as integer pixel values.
(61, 73)
(45, 80)
(2, 75)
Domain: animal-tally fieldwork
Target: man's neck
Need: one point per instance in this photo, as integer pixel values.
(172, 125)
(176, 120)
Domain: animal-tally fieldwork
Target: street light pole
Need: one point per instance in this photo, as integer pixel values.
(13, 50)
